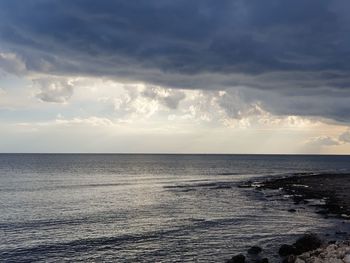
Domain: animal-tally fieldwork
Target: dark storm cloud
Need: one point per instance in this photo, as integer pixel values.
(298, 49)
(182, 36)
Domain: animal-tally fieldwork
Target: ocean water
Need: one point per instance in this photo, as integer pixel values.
(147, 208)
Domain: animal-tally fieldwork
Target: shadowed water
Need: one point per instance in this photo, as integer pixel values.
(146, 208)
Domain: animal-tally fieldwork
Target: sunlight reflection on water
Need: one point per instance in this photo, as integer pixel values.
(148, 208)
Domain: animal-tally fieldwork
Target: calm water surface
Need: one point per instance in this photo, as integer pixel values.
(146, 208)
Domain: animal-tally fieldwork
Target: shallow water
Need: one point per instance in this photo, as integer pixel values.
(147, 208)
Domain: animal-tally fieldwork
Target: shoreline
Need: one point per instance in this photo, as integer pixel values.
(331, 190)
(329, 195)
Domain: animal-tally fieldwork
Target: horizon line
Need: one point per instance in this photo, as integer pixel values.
(157, 153)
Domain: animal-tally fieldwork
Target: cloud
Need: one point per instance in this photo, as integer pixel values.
(320, 144)
(323, 102)
(345, 137)
(91, 121)
(225, 36)
(54, 90)
(12, 64)
(236, 106)
(169, 98)
(285, 57)
(321, 141)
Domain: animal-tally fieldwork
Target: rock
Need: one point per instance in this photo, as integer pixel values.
(306, 243)
(289, 259)
(237, 259)
(247, 184)
(222, 187)
(341, 233)
(286, 250)
(322, 212)
(259, 260)
(298, 199)
(255, 250)
(333, 253)
(292, 210)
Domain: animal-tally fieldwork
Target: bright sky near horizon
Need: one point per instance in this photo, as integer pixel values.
(165, 76)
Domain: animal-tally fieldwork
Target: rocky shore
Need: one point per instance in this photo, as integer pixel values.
(339, 252)
(332, 253)
(332, 193)
(332, 189)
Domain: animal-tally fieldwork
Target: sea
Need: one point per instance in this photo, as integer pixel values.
(149, 208)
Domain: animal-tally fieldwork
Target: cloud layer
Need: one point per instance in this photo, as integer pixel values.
(286, 57)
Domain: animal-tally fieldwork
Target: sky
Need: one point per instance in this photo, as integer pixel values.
(175, 76)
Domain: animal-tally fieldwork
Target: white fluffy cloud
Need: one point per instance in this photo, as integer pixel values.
(58, 90)
(197, 120)
(168, 97)
(345, 136)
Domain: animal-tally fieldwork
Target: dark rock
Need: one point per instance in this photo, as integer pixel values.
(298, 199)
(222, 187)
(254, 250)
(307, 243)
(289, 259)
(237, 259)
(322, 212)
(316, 187)
(286, 250)
(247, 184)
(292, 210)
(264, 260)
(341, 233)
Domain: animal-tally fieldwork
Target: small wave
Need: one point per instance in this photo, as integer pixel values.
(106, 243)
(195, 187)
(229, 173)
(58, 187)
(54, 223)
